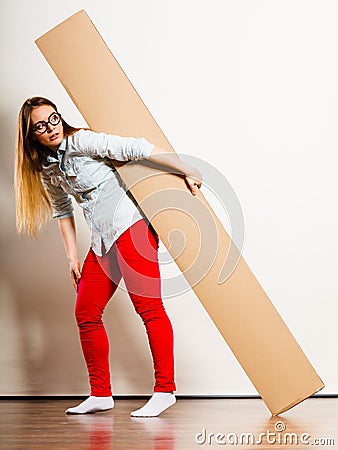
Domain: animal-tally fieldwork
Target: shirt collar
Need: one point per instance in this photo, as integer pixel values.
(56, 156)
(51, 158)
(62, 146)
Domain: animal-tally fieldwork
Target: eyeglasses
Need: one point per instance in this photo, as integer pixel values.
(42, 126)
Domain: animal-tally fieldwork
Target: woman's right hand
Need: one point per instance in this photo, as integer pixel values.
(75, 272)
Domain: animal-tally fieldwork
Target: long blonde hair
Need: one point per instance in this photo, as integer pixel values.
(32, 205)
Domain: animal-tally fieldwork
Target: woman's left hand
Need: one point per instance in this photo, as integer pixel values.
(193, 176)
(194, 181)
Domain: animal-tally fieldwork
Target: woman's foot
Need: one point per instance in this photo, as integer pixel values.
(159, 402)
(92, 404)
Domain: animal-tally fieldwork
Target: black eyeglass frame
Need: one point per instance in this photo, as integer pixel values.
(43, 122)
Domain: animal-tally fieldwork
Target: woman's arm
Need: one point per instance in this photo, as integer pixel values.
(170, 159)
(68, 232)
(130, 148)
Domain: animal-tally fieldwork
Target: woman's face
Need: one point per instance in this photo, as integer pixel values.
(46, 126)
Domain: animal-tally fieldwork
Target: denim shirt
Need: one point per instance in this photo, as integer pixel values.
(82, 168)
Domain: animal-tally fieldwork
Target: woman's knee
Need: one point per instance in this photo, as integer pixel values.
(87, 312)
(150, 309)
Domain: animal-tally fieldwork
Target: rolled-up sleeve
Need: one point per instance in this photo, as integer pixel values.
(61, 201)
(113, 146)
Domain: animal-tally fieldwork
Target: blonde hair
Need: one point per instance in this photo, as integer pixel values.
(32, 204)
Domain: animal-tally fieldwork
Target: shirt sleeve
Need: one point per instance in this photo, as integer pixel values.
(61, 201)
(113, 146)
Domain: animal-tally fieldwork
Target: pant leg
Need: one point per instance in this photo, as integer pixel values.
(137, 256)
(95, 289)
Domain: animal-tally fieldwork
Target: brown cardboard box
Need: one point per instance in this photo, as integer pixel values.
(239, 307)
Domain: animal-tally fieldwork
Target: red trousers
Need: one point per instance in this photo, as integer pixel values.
(133, 256)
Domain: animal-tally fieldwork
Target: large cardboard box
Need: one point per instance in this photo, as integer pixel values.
(239, 307)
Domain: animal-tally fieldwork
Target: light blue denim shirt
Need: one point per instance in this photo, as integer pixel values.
(82, 168)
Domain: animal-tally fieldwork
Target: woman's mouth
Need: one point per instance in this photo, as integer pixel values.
(53, 137)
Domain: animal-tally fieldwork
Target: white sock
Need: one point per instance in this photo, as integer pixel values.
(158, 403)
(92, 404)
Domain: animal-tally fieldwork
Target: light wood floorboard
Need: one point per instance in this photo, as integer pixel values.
(42, 425)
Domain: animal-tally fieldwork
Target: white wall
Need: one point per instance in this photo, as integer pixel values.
(250, 87)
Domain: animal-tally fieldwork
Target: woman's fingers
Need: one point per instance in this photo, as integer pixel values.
(194, 184)
(74, 279)
(75, 273)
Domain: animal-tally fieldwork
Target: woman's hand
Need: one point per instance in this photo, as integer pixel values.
(194, 181)
(68, 233)
(75, 272)
(193, 177)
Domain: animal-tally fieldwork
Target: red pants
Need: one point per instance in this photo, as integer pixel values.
(133, 256)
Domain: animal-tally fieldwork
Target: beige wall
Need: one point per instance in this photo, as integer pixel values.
(266, 117)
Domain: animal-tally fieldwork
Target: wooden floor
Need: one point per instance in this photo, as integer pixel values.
(190, 424)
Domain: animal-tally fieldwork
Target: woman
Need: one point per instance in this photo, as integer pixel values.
(55, 161)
